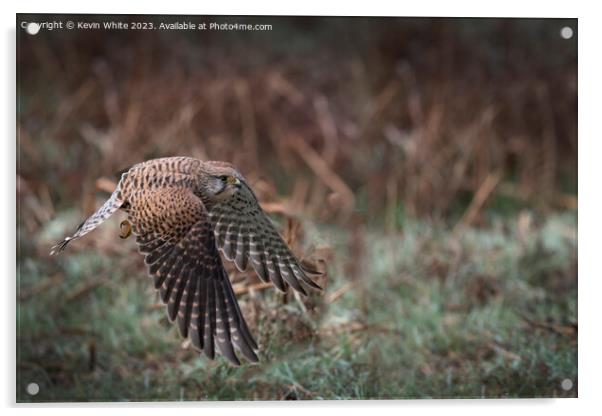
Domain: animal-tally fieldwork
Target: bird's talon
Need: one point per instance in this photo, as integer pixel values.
(126, 229)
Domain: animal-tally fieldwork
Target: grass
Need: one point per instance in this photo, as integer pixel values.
(418, 313)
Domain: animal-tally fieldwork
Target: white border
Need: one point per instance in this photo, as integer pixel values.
(460, 8)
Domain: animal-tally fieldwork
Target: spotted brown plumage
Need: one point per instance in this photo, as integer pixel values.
(182, 210)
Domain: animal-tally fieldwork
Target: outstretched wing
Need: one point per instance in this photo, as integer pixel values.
(245, 234)
(187, 270)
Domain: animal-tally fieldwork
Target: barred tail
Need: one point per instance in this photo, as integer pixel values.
(108, 208)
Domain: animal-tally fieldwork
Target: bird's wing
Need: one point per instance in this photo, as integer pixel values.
(245, 234)
(183, 261)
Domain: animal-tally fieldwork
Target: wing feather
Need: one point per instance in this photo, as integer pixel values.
(198, 315)
(245, 234)
(274, 273)
(158, 254)
(188, 272)
(257, 255)
(209, 348)
(176, 295)
(287, 272)
(224, 342)
(242, 327)
(231, 240)
(240, 333)
(242, 248)
(186, 307)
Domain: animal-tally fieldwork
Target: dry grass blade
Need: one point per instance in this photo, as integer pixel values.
(242, 289)
(106, 185)
(503, 351)
(478, 201)
(323, 171)
(560, 329)
(333, 296)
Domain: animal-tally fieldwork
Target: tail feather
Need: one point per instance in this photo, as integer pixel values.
(107, 209)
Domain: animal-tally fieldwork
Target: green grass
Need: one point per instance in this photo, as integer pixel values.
(426, 314)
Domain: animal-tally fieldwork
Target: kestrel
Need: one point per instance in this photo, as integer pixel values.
(182, 211)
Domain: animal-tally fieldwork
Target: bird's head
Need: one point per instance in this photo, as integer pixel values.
(221, 181)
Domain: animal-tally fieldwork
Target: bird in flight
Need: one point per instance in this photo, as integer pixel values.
(182, 211)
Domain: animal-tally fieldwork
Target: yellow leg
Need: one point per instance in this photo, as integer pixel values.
(126, 229)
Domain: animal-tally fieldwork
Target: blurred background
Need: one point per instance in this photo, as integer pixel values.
(427, 166)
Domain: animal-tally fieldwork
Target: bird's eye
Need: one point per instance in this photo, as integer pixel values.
(224, 178)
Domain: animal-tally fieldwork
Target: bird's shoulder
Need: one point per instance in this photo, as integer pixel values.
(174, 164)
(161, 173)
